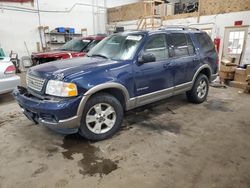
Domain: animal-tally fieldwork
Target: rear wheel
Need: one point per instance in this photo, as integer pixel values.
(102, 117)
(199, 91)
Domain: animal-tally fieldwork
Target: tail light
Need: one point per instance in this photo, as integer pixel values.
(10, 70)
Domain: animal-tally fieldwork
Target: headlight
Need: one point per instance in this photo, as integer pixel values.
(61, 89)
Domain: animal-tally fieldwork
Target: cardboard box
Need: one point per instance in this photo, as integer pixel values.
(248, 79)
(226, 75)
(248, 70)
(227, 62)
(240, 75)
(225, 68)
(247, 89)
(241, 85)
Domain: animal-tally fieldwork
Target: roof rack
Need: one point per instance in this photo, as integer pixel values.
(178, 28)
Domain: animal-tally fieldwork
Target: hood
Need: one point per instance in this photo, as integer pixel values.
(54, 54)
(63, 68)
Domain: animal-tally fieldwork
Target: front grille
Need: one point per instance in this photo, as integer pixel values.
(35, 83)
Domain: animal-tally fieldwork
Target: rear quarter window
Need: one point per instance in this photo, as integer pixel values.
(205, 43)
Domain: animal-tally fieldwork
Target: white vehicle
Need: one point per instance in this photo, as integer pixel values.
(8, 78)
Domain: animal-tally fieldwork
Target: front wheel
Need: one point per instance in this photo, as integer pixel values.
(102, 117)
(199, 91)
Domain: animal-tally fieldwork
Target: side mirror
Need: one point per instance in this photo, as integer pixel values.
(147, 58)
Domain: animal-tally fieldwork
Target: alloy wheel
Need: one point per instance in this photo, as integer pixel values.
(202, 89)
(101, 118)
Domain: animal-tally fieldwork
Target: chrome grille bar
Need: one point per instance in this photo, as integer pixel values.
(35, 83)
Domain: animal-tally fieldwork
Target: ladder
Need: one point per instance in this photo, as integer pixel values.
(151, 21)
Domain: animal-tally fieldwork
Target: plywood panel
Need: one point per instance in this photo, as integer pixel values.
(136, 11)
(132, 11)
(210, 7)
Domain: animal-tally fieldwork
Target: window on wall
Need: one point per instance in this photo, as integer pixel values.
(236, 41)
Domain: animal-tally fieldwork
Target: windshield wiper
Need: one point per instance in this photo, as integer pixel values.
(98, 55)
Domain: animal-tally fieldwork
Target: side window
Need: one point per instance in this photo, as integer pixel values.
(191, 49)
(157, 45)
(180, 44)
(206, 44)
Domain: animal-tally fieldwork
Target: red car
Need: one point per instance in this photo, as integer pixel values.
(73, 48)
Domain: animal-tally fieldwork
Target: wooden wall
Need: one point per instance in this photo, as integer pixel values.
(132, 11)
(135, 11)
(210, 7)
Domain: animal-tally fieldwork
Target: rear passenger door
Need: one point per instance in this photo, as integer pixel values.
(185, 58)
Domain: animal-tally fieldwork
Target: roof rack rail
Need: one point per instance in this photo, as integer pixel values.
(178, 28)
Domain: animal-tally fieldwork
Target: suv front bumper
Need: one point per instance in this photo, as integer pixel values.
(60, 115)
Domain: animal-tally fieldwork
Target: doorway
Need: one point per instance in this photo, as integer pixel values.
(234, 43)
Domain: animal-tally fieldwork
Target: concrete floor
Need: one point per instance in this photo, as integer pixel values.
(169, 144)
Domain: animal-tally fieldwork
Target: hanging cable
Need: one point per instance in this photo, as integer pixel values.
(20, 9)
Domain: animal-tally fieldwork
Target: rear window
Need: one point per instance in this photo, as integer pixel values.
(205, 42)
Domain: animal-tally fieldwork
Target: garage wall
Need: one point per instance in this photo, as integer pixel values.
(20, 26)
(216, 22)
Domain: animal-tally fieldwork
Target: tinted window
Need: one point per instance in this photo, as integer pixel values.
(190, 45)
(180, 44)
(205, 42)
(157, 45)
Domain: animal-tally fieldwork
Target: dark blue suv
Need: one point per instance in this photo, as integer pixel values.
(89, 94)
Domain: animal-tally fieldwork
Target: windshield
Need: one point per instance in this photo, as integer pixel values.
(75, 45)
(2, 54)
(117, 47)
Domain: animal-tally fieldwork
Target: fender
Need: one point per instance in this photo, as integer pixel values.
(199, 70)
(95, 89)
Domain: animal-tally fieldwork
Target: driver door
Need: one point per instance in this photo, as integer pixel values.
(154, 80)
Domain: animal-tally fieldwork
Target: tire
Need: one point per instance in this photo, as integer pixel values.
(199, 91)
(101, 118)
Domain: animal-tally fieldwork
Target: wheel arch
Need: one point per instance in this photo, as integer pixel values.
(204, 69)
(115, 89)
